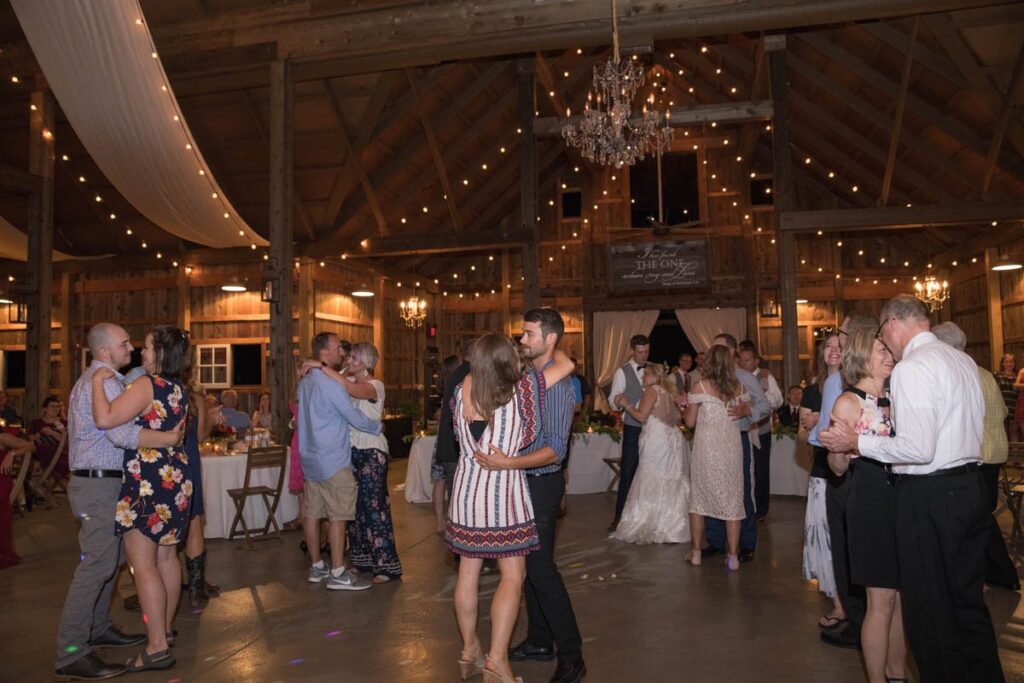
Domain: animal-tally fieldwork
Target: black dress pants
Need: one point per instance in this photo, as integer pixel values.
(853, 598)
(552, 621)
(942, 529)
(627, 468)
(999, 568)
(762, 474)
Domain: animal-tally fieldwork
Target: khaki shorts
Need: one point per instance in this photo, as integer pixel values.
(334, 499)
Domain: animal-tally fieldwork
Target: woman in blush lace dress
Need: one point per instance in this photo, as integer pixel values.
(657, 509)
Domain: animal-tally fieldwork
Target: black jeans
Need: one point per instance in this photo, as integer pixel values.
(551, 621)
(942, 528)
(627, 469)
(852, 598)
(762, 474)
(999, 568)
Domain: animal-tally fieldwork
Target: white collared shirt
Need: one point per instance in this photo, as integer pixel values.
(619, 382)
(937, 410)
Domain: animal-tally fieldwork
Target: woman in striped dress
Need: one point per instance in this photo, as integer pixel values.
(491, 515)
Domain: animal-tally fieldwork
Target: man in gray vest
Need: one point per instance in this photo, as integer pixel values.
(629, 381)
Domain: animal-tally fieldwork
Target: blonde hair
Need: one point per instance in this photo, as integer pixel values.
(857, 351)
(658, 370)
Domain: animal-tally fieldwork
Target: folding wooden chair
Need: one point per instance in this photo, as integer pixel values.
(19, 470)
(1011, 480)
(39, 486)
(259, 458)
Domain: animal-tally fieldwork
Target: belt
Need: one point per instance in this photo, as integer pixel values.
(961, 469)
(762, 423)
(97, 474)
(893, 477)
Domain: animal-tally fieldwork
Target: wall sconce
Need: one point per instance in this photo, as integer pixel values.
(270, 292)
(769, 306)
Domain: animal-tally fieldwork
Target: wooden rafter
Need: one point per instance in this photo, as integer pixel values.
(355, 162)
(893, 217)
(897, 122)
(1012, 94)
(547, 80)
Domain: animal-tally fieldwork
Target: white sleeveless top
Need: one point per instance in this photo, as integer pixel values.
(365, 440)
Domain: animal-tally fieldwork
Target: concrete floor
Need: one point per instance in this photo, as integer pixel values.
(645, 615)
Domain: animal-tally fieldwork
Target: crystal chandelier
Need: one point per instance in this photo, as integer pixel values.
(932, 292)
(609, 133)
(413, 311)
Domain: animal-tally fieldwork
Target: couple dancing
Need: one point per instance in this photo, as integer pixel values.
(669, 501)
(513, 429)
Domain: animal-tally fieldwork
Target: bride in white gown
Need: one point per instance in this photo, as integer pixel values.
(657, 510)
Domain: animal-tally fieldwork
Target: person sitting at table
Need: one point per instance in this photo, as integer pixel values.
(789, 413)
(8, 416)
(10, 446)
(46, 432)
(262, 417)
(230, 414)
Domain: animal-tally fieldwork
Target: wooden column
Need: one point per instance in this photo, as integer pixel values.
(993, 289)
(783, 192)
(306, 306)
(184, 307)
(840, 306)
(528, 184)
(379, 311)
(281, 365)
(68, 357)
(41, 153)
(506, 291)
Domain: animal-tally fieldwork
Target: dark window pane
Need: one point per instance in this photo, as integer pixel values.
(246, 365)
(680, 200)
(14, 368)
(572, 204)
(668, 340)
(761, 192)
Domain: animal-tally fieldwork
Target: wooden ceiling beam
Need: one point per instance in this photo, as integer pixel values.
(895, 217)
(432, 242)
(890, 33)
(1013, 93)
(732, 112)
(21, 182)
(872, 77)
(435, 152)
(897, 121)
(496, 209)
(355, 162)
(547, 80)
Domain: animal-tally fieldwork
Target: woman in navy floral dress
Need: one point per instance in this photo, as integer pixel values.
(155, 501)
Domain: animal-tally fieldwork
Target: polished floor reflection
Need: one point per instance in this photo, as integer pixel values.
(645, 615)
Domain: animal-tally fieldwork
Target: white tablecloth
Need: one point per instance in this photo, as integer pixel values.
(223, 472)
(417, 477)
(587, 471)
(790, 467)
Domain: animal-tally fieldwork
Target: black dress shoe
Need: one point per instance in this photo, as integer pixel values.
(746, 555)
(115, 637)
(1010, 586)
(711, 551)
(569, 672)
(88, 668)
(524, 651)
(842, 637)
(613, 525)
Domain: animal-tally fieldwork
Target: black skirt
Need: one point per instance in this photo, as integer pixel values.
(870, 526)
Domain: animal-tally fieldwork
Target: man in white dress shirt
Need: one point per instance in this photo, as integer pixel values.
(629, 380)
(942, 521)
(761, 431)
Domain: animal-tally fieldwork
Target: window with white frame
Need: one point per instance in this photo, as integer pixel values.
(214, 365)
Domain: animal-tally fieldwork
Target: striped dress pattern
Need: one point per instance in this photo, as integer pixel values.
(491, 513)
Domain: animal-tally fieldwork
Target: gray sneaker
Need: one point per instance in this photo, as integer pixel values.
(318, 574)
(347, 582)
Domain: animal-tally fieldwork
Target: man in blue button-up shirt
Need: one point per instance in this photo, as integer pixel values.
(96, 458)
(324, 415)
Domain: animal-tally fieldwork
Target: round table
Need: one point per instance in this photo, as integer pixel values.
(223, 472)
(790, 464)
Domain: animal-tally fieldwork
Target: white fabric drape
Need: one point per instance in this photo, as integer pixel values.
(14, 244)
(702, 324)
(612, 330)
(99, 63)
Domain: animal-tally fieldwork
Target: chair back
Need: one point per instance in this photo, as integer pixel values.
(266, 458)
(19, 470)
(53, 462)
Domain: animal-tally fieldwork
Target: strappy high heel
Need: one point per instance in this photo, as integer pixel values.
(492, 676)
(471, 667)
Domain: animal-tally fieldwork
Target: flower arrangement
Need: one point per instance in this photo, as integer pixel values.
(781, 431)
(223, 433)
(431, 430)
(598, 423)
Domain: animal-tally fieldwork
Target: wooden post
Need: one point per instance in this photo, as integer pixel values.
(68, 357)
(528, 184)
(995, 310)
(784, 201)
(184, 307)
(840, 306)
(379, 311)
(897, 123)
(281, 366)
(41, 153)
(306, 305)
(506, 291)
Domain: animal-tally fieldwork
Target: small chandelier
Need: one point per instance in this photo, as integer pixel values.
(413, 311)
(609, 133)
(932, 292)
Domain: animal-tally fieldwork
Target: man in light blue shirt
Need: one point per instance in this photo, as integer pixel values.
(324, 415)
(232, 416)
(745, 415)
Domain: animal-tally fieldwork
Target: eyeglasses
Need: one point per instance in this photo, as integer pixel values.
(878, 336)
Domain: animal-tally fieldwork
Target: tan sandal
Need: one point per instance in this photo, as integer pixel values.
(492, 676)
(471, 667)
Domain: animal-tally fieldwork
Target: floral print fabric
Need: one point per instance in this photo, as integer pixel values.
(156, 489)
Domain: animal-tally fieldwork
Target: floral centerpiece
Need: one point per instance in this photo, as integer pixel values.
(431, 430)
(222, 433)
(782, 431)
(598, 423)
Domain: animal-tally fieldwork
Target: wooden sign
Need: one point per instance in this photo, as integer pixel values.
(657, 265)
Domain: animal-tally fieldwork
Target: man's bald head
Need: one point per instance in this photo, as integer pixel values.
(110, 343)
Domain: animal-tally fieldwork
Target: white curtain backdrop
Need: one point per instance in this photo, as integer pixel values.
(612, 330)
(14, 244)
(702, 324)
(98, 58)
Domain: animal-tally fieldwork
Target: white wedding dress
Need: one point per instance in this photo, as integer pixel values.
(658, 507)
